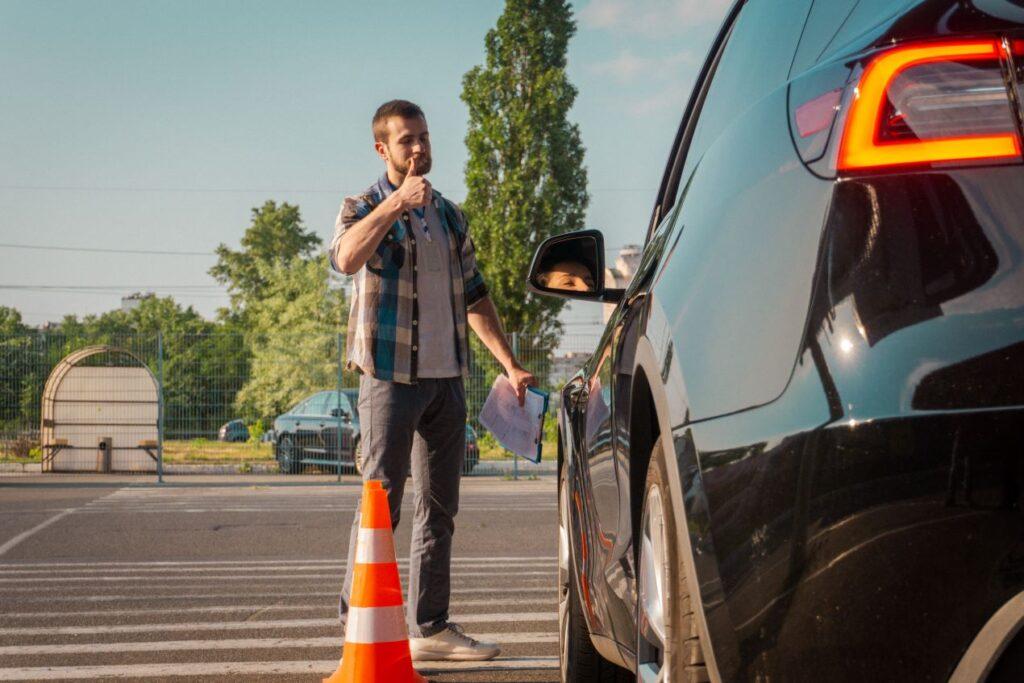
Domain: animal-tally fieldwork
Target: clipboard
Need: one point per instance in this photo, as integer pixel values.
(519, 429)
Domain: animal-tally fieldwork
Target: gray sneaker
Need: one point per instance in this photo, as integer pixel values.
(451, 644)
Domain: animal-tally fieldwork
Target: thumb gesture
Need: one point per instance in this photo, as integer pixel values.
(412, 168)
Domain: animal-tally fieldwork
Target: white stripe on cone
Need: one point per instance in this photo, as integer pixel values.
(376, 625)
(375, 546)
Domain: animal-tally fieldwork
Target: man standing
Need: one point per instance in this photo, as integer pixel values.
(416, 287)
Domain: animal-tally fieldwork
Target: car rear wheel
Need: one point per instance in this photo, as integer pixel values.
(668, 644)
(287, 454)
(578, 659)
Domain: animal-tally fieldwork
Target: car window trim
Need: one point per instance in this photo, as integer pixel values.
(684, 135)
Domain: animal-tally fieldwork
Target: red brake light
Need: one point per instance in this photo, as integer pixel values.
(921, 104)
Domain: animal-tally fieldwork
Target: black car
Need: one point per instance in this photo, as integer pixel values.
(797, 453)
(322, 429)
(233, 431)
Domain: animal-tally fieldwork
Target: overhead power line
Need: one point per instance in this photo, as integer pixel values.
(229, 190)
(48, 247)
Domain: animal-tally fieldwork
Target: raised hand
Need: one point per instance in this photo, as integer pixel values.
(415, 190)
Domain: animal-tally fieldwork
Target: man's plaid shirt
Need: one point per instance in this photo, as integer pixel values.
(382, 324)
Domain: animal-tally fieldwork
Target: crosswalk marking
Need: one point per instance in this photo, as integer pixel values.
(190, 564)
(235, 644)
(228, 609)
(498, 617)
(157, 580)
(319, 668)
(99, 616)
(497, 592)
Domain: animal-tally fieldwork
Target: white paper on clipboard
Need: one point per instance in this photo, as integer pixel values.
(519, 429)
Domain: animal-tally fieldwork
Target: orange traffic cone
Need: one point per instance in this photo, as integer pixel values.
(376, 637)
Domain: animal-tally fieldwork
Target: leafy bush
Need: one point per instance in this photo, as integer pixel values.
(256, 431)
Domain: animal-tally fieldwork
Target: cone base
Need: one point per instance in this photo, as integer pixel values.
(366, 662)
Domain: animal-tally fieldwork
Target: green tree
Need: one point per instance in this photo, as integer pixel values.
(525, 172)
(17, 356)
(275, 237)
(294, 332)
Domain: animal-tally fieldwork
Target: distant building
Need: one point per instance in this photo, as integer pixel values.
(565, 366)
(620, 274)
(132, 301)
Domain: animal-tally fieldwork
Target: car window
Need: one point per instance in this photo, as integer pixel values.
(749, 68)
(337, 399)
(318, 403)
(745, 67)
(300, 408)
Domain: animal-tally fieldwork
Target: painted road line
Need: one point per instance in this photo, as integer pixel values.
(311, 560)
(228, 609)
(249, 644)
(37, 528)
(289, 510)
(254, 578)
(135, 597)
(497, 617)
(274, 567)
(195, 670)
(183, 563)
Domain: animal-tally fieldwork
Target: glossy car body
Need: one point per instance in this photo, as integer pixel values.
(322, 429)
(233, 431)
(833, 364)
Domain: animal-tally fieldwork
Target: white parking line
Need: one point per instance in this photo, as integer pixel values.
(228, 609)
(252, 578)
(136, 597)
(497, 617)
(149, 572)
(234, 644)
(274, 562)
(288, 511)
(37, 528)
(319, 668)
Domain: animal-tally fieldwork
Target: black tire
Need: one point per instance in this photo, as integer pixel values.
(579, 660)
(287, 454)
(682, 657)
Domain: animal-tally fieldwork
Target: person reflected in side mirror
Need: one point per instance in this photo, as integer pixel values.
(569, 275)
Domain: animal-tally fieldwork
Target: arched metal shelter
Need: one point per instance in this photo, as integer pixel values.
(100, 413)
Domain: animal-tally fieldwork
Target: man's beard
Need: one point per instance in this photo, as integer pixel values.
(422, 165)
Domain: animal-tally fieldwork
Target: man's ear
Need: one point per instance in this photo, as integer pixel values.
(382, 149)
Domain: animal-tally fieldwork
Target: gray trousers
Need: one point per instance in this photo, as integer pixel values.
(421, 427)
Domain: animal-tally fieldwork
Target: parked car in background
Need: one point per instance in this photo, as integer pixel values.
(472, 450)
(233, 431)
(472, 447)
(796, 453)
(322, 429)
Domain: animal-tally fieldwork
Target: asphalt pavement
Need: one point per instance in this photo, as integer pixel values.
(236, 577)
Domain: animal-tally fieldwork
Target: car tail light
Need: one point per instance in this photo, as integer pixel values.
(932, 103)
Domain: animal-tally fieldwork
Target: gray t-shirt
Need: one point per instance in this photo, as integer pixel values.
(434, 286)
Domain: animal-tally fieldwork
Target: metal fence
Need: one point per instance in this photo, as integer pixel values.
(177, 402)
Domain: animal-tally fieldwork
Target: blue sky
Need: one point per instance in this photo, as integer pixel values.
(160, 125)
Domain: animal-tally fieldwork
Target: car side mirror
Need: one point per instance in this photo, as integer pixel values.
(571, 266)
(340, 412)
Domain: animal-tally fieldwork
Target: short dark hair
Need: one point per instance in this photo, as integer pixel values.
(402, 108)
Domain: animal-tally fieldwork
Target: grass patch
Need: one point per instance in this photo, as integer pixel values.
(4, 458)
(208, 451)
